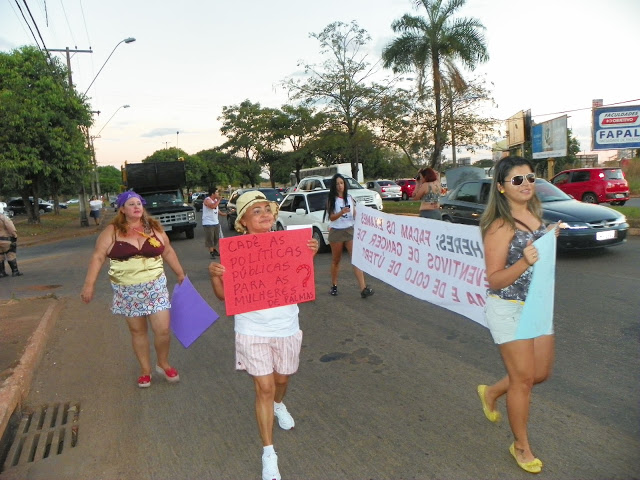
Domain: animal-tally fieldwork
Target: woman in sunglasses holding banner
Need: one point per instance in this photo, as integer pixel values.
(510, 224)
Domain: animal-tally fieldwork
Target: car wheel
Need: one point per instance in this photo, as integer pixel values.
(589, 198)
(230, 223)
(318, 236)
(446, 219)
(279, 227)
(41, 211)
(405, 196)
(622, 203)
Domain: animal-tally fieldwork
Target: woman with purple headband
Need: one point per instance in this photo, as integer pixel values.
(137, 248)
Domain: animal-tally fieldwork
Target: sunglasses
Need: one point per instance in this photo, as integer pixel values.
(518, 179)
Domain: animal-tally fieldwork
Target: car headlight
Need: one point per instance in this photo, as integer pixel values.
(575, 225)
(192, 216)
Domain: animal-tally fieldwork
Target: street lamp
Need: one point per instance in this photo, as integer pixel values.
(126, 40)
(114, 114)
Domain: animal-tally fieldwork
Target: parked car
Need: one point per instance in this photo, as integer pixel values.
(387, 189)
(199, 200)
(271, 194)
(407, 186)
(594, 185)
(587, 226)
(73, 201)
(306, 208)
(62, 205)
(4, 210)
(17, 206)
(195, 195)
(357, 191)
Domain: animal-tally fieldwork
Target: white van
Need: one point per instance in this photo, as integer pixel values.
(358, 192)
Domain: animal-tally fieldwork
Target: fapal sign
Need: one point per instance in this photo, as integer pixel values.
(616, 127)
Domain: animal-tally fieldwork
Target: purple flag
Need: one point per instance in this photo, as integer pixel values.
(191, 315)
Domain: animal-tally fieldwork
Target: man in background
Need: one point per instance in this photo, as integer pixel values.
(211, 222)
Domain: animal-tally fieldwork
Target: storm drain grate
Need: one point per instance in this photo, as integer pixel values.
(44, 432)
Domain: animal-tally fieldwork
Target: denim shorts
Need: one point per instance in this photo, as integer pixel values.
(502, 317)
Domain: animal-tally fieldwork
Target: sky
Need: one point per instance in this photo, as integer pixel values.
(191, 58)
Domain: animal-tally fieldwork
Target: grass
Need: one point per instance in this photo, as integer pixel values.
(49, 222)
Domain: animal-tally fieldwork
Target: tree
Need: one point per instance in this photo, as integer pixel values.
(435, 42)
(342, 85)
(250, 130)
(300, 126)
(41, 141)
(110, 179)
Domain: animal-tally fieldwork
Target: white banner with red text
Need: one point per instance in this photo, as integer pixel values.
(440, 262)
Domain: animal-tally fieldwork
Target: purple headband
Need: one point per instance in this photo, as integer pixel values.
(124, 196)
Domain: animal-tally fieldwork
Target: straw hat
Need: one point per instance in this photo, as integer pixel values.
(245, 201)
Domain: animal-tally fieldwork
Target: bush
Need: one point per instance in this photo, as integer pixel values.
(632, 174)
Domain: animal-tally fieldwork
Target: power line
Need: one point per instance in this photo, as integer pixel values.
(64, 10)
(27, 22)
(36, 25)
(581, 109)
(84, 20)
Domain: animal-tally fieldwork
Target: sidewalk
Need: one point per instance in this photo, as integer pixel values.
(25, 326)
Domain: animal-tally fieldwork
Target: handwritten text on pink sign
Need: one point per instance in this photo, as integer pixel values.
(267, 270)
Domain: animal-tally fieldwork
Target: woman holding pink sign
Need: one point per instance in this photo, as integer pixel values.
(267, 341)
(509, 225)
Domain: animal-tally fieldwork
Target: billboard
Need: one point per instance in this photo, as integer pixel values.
(517, 128)
(616, 127)
(549, 139)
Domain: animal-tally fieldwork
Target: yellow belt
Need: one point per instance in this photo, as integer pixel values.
(519, 302)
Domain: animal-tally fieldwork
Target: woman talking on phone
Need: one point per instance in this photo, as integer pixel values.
(341, 209)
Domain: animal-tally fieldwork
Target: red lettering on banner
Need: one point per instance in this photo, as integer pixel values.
(454, 294)
(439, 288)
(475, 299)
(394, 268)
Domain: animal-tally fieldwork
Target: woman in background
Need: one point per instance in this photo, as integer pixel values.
(428, 192)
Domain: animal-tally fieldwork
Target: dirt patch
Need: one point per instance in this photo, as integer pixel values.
(18, 321)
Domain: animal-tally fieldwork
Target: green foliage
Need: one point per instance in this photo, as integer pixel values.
(342, 85)
(44, 126)
(435, 43)
(110, 179)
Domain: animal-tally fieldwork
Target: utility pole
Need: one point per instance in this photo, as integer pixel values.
(84, 221)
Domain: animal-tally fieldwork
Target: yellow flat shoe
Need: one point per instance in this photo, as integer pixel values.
(492, 415)
(534, 466)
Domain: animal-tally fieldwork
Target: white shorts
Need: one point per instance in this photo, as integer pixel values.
(502, 318)
(264, 355)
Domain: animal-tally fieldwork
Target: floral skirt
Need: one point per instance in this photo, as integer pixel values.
(141, 299)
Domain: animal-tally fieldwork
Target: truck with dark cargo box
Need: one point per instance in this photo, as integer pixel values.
(160, 184)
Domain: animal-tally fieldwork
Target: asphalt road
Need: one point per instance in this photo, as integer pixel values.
(386, 387)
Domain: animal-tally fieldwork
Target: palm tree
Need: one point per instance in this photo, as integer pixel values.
(437, 41)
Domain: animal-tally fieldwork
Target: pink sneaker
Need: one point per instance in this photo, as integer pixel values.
(170, 374)
(144, 381)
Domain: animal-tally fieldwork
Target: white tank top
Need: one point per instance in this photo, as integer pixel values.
(346, 220)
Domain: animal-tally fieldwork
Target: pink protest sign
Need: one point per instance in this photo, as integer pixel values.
(267, 270)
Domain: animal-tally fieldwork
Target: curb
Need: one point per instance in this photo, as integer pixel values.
(16, 388)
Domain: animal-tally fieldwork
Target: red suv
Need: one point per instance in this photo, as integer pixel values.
(594, 185)
(408, 185)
